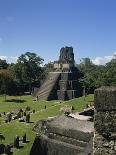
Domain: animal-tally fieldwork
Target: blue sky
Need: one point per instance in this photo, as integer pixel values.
(44, 26)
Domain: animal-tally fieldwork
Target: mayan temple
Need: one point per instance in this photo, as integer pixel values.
(63, 83)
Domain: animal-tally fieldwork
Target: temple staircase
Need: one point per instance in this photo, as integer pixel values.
(46, 91)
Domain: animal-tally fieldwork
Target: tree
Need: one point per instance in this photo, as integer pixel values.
(6, 81)
(110, 73)
(28, 69)
(3, 64)
(92, 75)
(49, 67)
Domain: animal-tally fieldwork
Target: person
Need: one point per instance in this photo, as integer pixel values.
(37, 98)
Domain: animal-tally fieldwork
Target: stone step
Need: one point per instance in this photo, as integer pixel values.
(68, 140)
(48, 81)
(46, 89)
(47, 86)
(60, 144)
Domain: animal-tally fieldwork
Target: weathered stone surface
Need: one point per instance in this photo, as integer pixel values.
(103, 146)
(66, 55)
(105, 121)
(63, 135)
(105, 98)
(63, 83)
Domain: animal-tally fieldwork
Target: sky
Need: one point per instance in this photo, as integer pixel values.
(44, 26)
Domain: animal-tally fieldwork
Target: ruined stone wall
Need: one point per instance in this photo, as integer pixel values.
(105, 121)
(69, 87)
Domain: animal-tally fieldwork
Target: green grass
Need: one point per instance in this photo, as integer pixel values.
(14, 128)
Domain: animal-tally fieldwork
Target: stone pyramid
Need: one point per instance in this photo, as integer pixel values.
(63, 83)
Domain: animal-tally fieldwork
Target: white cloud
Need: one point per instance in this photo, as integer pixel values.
(103, 60)
(3, 57)
(10, 59)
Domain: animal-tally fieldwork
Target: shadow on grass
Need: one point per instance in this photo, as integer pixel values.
(27, 141)
(16, 100)
(20, 147)
(31, 122)
(10, 153)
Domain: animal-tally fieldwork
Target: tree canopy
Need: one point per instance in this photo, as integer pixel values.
(29, 71)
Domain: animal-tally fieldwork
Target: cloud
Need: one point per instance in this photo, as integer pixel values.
(103, 60)
(3, 57)
(10, 59)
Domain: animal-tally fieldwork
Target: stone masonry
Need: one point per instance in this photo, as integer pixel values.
(63, 83)
(63, 136)
(105, 121)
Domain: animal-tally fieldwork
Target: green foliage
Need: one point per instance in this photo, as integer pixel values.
(110, 73)
(49, 67)
(15, 79)
(6, 81)
(27, 71)
(3, 64)
(92, 75)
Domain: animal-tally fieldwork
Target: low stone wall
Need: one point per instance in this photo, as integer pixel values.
(105, 121)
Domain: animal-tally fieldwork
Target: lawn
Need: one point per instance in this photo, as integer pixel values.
(10, 130)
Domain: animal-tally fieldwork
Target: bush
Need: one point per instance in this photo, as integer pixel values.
(28, 108)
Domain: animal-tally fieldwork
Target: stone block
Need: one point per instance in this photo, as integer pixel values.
(102, 146)
(105, 98)
(105, 121)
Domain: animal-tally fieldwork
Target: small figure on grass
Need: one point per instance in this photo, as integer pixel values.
(24, 113)
(24, 138)
(16, 142)
(9, 117)
(28, 118)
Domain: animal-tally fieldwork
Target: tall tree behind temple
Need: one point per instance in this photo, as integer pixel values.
(49, 67)
(92, 75)
(110, 73)
(27, 70)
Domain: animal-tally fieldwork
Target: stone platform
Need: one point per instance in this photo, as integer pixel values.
(63, 135)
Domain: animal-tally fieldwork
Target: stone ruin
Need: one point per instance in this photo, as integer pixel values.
(63, 136)
(67, 136)
(105, 121)
(63, 83)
